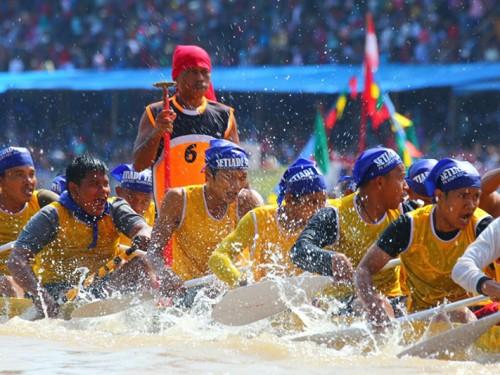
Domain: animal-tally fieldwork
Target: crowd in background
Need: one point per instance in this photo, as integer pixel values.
(116, 34)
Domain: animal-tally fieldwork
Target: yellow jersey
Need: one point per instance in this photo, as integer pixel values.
(69, 250)
(259, 237)
(11, 225)
(198, 233)
(356, 236)
(429, 260)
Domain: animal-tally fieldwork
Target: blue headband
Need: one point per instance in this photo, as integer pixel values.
(301, 178)
(374, 162)
(130, 179)
(449, 174)
(349, 181)
(223, 154)
(11, 157)
(417, 174)
(59, 184)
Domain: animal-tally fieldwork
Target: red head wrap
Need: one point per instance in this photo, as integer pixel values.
(186, 57)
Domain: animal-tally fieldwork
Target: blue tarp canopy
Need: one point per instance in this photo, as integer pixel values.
(322, 79)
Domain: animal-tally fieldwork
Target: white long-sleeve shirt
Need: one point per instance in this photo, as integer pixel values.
(468, 270)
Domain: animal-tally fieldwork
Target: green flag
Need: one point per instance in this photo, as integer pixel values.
(321, 154)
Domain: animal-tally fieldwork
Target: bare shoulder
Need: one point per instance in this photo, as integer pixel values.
(248, 199)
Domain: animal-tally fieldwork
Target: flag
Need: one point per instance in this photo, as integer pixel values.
(371, 62)
(404, 121)
(336, 112)
(371, 48)
(406, 149)
(321, 154)
(353, 87)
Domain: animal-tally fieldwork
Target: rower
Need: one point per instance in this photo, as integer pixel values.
(428, 241)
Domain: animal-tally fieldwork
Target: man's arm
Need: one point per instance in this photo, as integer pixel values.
(149, 135)
(38, 232)
(321, 231)
(468, 271)
(490, 199)
(373, 261)
(168, 220)
(393, 241)
(221, 261)
(130, 223)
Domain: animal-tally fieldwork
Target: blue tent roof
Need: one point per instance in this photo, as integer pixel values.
(324, 79)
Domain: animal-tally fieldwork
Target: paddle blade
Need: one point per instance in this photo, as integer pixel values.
(108, 306)
(453, 340)
(251, 303)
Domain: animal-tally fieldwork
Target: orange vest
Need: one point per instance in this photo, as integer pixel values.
(193, 130)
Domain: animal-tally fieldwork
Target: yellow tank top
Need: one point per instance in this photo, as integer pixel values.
(198, 234)
(149, 216)
(69, 250)
(11, 225)
(429, 260)
(270, 248)
(356, 236)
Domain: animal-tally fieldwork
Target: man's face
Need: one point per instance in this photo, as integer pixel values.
(18, 183)
(300, 209)
(393, 187)
(228, 183)
(92, 193)
(139, 201)
(458, 206)
(193, 82)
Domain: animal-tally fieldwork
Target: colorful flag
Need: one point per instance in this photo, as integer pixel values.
(321, 154)
(371, 48)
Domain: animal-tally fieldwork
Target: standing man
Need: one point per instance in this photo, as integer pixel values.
(356, 223)
(194, 118)
(79, 232)
(428, 241)
(198, 217)
(18, 202)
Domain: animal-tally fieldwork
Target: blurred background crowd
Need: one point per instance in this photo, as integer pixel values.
(116, 34)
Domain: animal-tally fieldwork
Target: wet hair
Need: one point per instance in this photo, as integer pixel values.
(212, 171)
(81, 166)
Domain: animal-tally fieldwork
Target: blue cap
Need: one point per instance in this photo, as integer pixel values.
(374, 162)
(58, 184)
(349, 182)
(301, 178)
(223, 154)
(417, 174)
(450, 174)
(130, 179)
(11, 157)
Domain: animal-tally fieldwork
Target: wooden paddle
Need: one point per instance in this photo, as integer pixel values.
(7, 246)
(118, 304)
(330, 336)
(455, 339)
(258, 301)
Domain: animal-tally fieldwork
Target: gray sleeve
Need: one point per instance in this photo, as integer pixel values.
(40, 230)
(124, 217)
